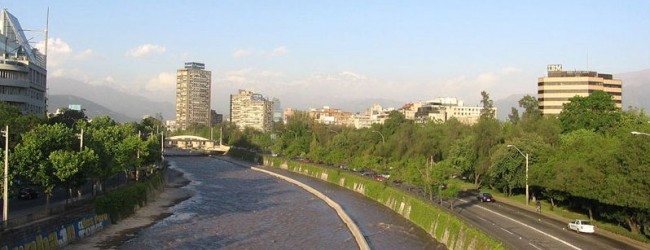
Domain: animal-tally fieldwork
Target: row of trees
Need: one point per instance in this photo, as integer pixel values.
(66, 150)
(585, 159)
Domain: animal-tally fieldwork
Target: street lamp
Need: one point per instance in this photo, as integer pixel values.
(81, 140)
(639, 133)
(5, 187)
(525, 156)
(382, 136)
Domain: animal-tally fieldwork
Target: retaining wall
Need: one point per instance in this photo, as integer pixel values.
(441, 225)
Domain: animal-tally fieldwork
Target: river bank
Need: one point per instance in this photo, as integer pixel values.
(156, 210)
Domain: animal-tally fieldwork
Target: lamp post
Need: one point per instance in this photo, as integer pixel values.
(5, 183)
(81, 140)
(383, 140)
(639, 133)
(525, 156)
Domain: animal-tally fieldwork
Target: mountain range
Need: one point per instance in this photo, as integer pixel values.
(125, 107)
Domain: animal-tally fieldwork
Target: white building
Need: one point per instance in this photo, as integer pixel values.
(22, 69)
(248, 109)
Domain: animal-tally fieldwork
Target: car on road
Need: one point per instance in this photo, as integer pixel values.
(582, 226)
(27, 193)
(485, 197)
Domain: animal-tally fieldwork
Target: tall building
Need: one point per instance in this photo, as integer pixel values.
(193, 96)
(22, 69)
(248, 109)
(277, 110)
(559, 86)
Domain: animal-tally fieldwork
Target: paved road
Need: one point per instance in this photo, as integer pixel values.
(522, 229)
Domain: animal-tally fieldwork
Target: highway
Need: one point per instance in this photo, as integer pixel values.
(522, 229)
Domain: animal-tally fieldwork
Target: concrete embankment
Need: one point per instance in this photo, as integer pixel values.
(354, 229)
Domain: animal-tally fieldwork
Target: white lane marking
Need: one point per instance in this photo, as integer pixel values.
(524, 224)
(534, 246)
(506, 230)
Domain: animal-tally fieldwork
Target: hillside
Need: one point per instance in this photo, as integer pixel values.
(91, 109)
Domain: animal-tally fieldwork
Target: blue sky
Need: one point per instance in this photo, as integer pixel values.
(315, 53)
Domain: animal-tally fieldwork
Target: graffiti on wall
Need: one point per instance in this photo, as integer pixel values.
(64, 234)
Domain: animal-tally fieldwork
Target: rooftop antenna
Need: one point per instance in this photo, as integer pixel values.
(47, 25)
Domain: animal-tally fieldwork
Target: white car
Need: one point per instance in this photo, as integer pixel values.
(582, 226)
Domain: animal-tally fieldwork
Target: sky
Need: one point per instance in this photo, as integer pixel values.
(314, 53)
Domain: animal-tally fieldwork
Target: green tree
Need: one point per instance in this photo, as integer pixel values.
(68, 117)
(31, 156)
(596, 112)
(71, 167)
(488, 111)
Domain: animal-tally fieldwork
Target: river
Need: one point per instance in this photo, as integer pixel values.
(233, 207)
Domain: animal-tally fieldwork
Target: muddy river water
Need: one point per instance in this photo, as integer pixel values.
(234, 207)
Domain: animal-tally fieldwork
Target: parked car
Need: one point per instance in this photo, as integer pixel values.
(582, 226)
(485, 197)
(27, 193)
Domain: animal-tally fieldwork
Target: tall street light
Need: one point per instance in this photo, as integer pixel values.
(383, 140)
(525, 156)
(5, 187)
(639, 133)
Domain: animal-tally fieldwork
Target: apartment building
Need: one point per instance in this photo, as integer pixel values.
(376, 114)
(331, 116)
(23, 70)
(193, 84)
(559, 86)
(248, 109)
(442, 109)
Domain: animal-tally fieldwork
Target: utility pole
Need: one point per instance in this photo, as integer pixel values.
(81, 138)
(5, 183)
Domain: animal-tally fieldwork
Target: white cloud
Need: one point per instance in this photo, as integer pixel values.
(276, 52)
(84, 55)
(509, 70)
(146, 50)
(279, 51)
(252, 76)
(58, 51)
(164, 82)
(487, 78)
(57, 73)
(241, 53)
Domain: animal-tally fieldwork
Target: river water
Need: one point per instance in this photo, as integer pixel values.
(233, 207)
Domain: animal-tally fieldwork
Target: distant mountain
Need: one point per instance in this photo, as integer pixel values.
(127, 104)
(504, 106)
(91, 109)
(636, 89)
(361, 105)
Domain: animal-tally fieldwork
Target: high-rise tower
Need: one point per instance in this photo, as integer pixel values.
(559, 86)
(193, 95)
(248, 109)
(22, 69)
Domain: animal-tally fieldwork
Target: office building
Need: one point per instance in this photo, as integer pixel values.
(22, 69)
(248, 109)
(193, 96)
(559, 86)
